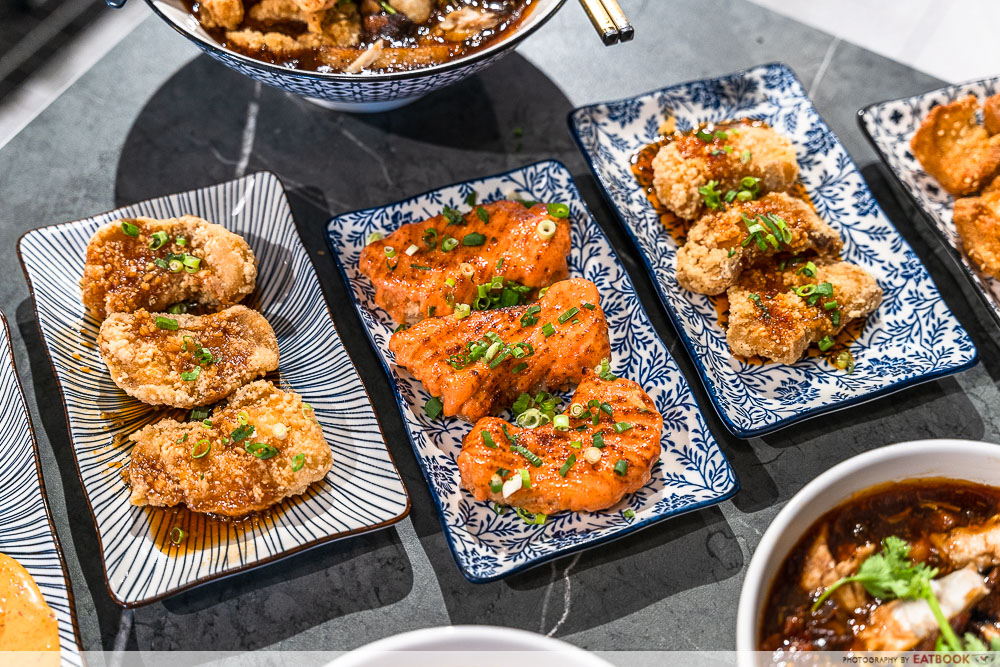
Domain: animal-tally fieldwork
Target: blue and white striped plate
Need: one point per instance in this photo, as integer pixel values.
(362, 492)
(911, 338)
(691, 473)
(889, 127)
(26, 531)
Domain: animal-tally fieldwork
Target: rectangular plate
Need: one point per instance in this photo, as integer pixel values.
(911, 338)
(26, 531)
(362, 492)
(889, 127)
(691, 473)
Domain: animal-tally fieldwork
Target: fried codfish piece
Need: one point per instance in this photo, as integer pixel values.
(263, 446)
(687, 163)
(144, 263)
(497, 239)
(220, 13)
(955, 149)
(440, 351)
(768, 319)
(585, 486)
(719, 246)
(977, 220)
(201, 361)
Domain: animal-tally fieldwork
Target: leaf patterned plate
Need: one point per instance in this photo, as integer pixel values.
(26, 531)
(692, 471)
(362, 492)
(911, 338)
(889, 127)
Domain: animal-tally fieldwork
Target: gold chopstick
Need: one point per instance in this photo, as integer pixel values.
(625, 30)
(602, 21)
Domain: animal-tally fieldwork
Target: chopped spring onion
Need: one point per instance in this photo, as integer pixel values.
(589, 306)
(496, 483)
(529, 316)
(622, 427)
(805, 290)
(473, 239)
(467, 270)
(191, 375)
(412, 250)
(261, 450)
(744, 195)
(453, 216)
(181, 241)
(177, 309)
(449, 243)
(520, 367)
(533, 458)
(499, 509)
(513, 485)
(433, 407)
(548, 329)
(130, 229)
(157, 240)
(835, 318)
(576, 410)
(809, 269)
(525, 477)
(593, 455)
(241, 433)
(387, 7)
(450, 282)
(462, 310)
(732, 251)
(629, 513)
(830, 305)
(528, 517)
(371, 238)
(568, 315)
(483, 214)
(599, 440)
(542, 292)
(298, 461)
(492, 351)
(166, 323)
(606, 407)
(545, 230)
(825, 343)
(845, 361)
(710, 195)
(558, 210)
(390, 252)
(488, 439)
(576, 444)
(561, 422)
(621, 467)
(180, 440)
(279, 431)
(177, 535)
(423, 268)
(530, 418)
(201, 444)
(174, 266)
(603, 371)
(198, 414)
(191, 263)
(566, 466)
(764, 311)
(745, 156)
(207, 423)
(470, 199)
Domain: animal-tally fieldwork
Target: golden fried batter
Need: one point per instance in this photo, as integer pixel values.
(197, 261)
(202, 361)
(768, 319)
(230, 480)
(955, 149)
(977, 220)
(586, 487)
(687, 163)
(220, 13)
(991, 114)
(719, 246)
(412, 287)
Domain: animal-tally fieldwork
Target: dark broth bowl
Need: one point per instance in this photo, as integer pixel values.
(950, 459)
(362, 92)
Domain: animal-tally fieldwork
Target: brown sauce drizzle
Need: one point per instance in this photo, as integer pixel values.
(205, 532)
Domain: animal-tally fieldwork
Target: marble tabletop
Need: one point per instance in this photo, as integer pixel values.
(155, 117)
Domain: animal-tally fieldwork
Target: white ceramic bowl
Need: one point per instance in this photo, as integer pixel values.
(363, 92)
(465, 645)
(953, 459)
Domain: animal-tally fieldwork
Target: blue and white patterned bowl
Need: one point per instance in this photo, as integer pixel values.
(911, 338)
(889, 126)
(362, 492)
(692, 471)
(26, 531)
(364, 92)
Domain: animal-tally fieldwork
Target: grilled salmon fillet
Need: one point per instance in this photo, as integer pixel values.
(977, 220)
(496, 239)
(436, 349)
(768, 319)
(586, 487)
(187, 360)
(230, 479)
(954, 148)
(687, 163)
(719, 245)
(154, 264)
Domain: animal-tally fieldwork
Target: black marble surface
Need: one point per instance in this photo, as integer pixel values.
(152, 119)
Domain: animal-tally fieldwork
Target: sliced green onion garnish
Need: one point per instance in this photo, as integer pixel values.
(198, 414)
(845, 361)
(607, 409)
(621, 467)
(371, 238)
(473, 239)
(499, 509)
(191, 263)
(745, 156)
(390, 252)
(157, 240)
(483, 214)
(576, 410)
(528, 517)
(177, 535)
(412, 250)
(449, 243)
(744, 195)
(241, 433)
(180, 440)
(835, 318)
(576, 444)
(598, 440)
(529, 316)
(261, 450)
(830, 305)
(548, 329)
(589, 306)
(809, 269)
(242, 418)
(525, 478)
(175, 266)
(533, 458)
(453, 216)
(825, 343)
(603, 371)
(191, 375)
(566, 466)
(561, 422)
(130, 229)
(629, 513)
(568, 315)
(298, 461)
(805, 290)
(530, 418)
(488, 439)
(166, 323)
(496, 483)
(204, 445)
(387, 7)
(558, 210)
(178, 309)
(520, 367)
(621, 427)
(545, 230)
(433, 407)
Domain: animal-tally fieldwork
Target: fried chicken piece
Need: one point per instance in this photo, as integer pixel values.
(991, 114)
(820, 571)
(717, 248)
(955, 149)
(223, 351)
(768, 319)
(465, 23)
(124, 274)
(410, 288)
(230, 480)
(220, 13)
(977, 220)
(586, 487)
(475, 390)
(687, 163)
(978, 545)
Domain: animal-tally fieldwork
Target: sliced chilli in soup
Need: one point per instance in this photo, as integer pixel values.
(885, 570)
(353, 36)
